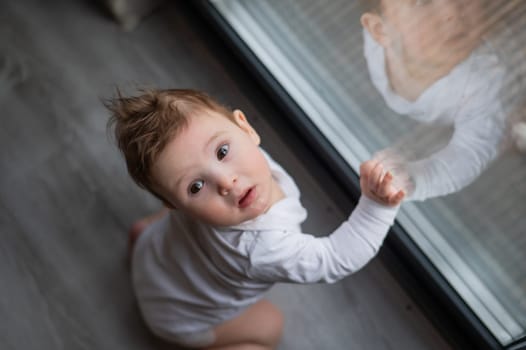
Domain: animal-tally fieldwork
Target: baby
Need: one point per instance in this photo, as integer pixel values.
(231, 227)
(429, 60)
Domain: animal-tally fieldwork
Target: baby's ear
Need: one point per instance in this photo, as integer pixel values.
(243, 123)
(374, 24)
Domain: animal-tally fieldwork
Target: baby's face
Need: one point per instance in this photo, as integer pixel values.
(214, 171)
(432, 32)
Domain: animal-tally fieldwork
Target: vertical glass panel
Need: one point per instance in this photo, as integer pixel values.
(436, 90)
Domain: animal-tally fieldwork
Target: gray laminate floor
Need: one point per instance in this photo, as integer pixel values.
(66, 201)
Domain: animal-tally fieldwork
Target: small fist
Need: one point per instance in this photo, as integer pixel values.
(377, 184)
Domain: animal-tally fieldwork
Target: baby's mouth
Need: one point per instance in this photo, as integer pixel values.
(247, 198)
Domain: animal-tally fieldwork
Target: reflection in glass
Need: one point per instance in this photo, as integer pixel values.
(438, 93)
(436, 62)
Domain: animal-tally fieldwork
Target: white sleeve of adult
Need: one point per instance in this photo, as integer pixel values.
(282, 256)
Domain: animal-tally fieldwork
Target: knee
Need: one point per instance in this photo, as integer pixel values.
(260, 326)
(274, 323)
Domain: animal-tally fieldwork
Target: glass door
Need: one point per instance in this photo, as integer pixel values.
(434, 89)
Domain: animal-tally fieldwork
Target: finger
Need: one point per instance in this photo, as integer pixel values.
(375, 177)
(385, 188)
(396, 198)
(366, 168)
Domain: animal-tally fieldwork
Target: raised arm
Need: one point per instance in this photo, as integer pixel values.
(284, 256)
(474, 144)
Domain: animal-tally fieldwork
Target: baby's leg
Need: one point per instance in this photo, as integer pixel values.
(139, 226)
(258, 328)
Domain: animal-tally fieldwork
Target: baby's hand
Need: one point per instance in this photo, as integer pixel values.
(378, 185)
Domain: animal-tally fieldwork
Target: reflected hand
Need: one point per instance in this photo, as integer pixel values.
(377, 184)
(396, 164)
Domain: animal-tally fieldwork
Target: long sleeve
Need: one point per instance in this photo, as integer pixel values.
(285, 256)
(476, 141)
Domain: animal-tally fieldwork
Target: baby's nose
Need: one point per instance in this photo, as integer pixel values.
(225, 184)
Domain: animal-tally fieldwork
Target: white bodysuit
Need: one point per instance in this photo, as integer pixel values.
(189, 276)
(469, 98)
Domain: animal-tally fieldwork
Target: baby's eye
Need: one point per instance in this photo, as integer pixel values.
(222, 152)
(196, 186)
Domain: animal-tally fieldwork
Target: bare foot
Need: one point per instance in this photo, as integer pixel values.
(138, 227)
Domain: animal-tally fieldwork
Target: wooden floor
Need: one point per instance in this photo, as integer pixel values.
(66, 201)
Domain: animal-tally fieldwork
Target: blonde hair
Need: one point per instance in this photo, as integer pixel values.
(145, 123)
